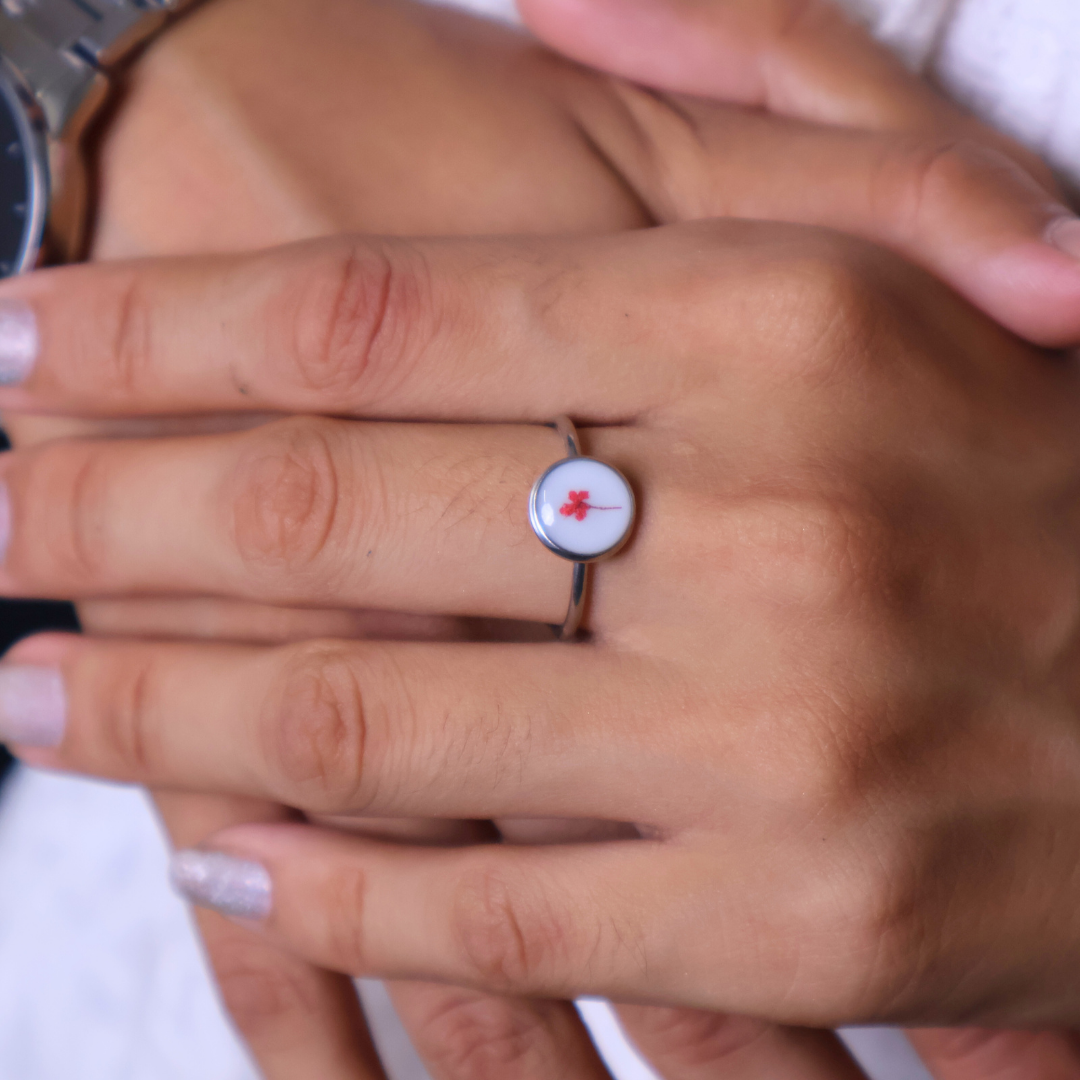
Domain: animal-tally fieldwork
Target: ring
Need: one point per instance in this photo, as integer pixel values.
(583, 510)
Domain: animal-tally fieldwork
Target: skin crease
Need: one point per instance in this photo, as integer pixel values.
(135, 183)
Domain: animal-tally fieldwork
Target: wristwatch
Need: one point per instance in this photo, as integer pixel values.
(55, 61)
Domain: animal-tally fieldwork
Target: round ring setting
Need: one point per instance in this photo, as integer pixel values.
(583, 510)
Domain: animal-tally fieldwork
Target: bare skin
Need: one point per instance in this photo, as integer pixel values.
(1029, 212)
(857, 512)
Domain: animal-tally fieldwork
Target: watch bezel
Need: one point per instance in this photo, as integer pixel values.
(30, 124)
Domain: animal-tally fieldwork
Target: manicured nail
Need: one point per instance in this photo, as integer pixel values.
(33, 705)
(18, 340)
(1064, 234)
(235, 887)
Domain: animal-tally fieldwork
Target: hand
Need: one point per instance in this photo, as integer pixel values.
(108, 615)
(225, 138)
(823, 127)
(225, 141)
(203, 617)
(882, 156)
(840, 634)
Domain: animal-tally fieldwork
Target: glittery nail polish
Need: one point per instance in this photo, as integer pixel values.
(18, 341)
(235, 887)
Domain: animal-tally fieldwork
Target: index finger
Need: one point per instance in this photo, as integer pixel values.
(509, 330)
(807, 59)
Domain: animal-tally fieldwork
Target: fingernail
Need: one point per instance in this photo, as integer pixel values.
(235, 887)
(33, 705)
(18, 341)
(1064, 234)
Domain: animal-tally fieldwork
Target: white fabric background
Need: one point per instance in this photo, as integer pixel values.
(100, 974)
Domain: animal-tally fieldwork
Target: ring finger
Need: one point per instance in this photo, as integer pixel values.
(421, 518)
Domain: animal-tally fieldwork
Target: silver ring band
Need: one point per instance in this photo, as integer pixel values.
(579, 583)
(569, 523)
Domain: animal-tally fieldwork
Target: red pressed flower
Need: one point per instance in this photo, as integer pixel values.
(579, 506)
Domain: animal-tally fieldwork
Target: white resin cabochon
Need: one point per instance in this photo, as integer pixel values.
(598, 521)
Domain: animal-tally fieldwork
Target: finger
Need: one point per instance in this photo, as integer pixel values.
(615, 920)
(550, 922)
(460, 330)
(213, 619)
(458, 731)
(798, 58)
(427, 519)
(983, 1054)
(965, 211)
(692, 1044)
(295, 1018)
(465, 1035)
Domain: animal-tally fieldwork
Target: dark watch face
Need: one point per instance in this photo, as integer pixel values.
(22, 194)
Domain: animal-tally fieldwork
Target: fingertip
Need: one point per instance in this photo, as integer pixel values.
(46, 649)
(237, 888)
(1063, 233)
(1033, 289)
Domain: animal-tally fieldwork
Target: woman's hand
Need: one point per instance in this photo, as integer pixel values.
(149, 164)
(257, 122)
(843, 635)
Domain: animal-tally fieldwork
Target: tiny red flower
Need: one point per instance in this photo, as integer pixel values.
(578, 505)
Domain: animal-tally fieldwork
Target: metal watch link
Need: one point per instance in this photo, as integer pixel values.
(55, 58)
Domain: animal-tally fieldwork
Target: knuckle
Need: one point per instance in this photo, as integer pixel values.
(314, 728)
(125, 367)
(691, 1037)
(361, 315)
(64, 536)
(509, 939)
(343, 907)
(125, 703)
(284, 497)
(873, 918)
(834, 310)
(263, 998)
(828, 553)
(886, 932)
(918, 181)
(479, 1037)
